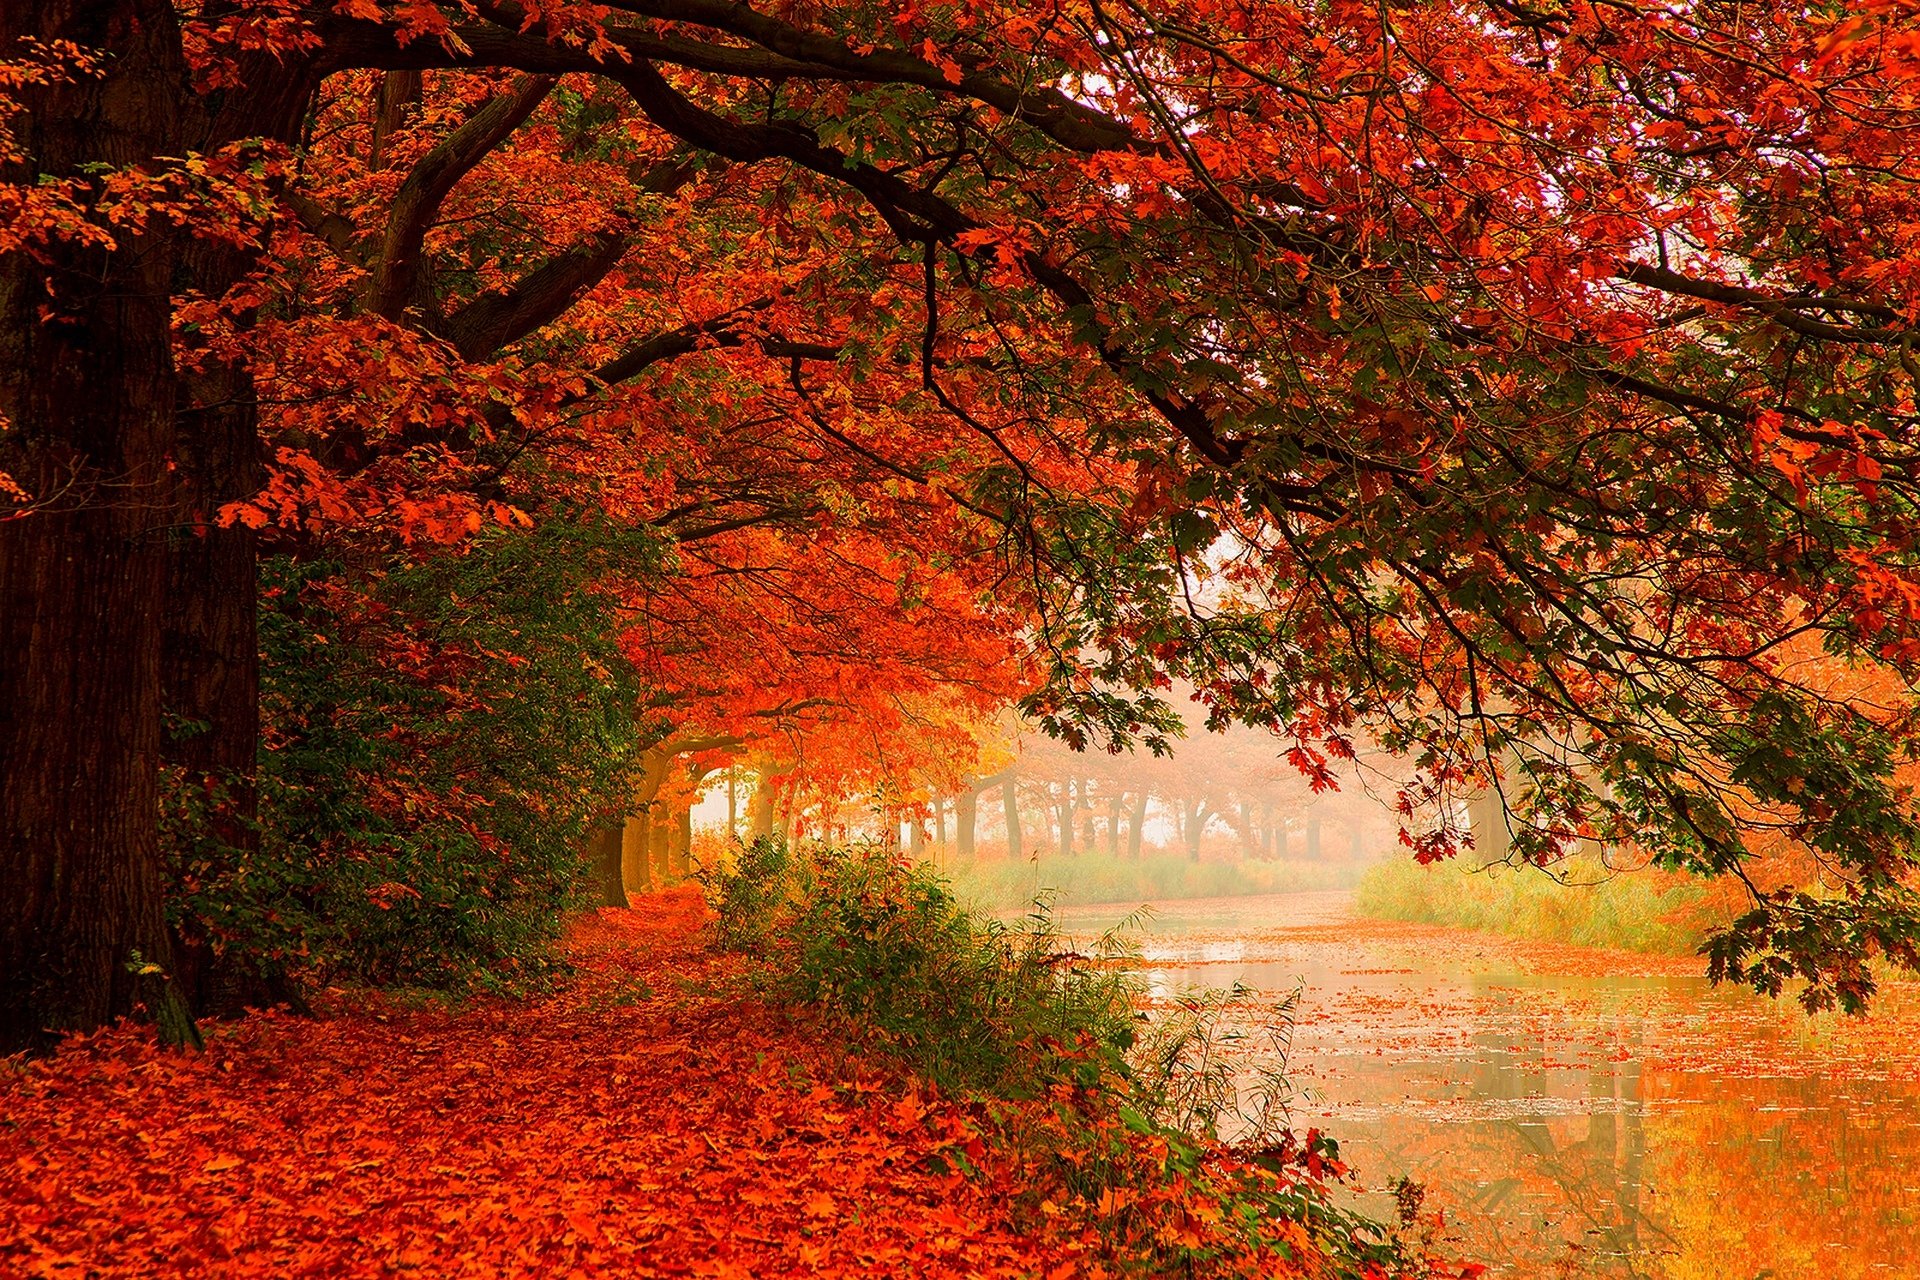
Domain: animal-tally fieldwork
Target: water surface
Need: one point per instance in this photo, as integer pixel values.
(1573, 1113)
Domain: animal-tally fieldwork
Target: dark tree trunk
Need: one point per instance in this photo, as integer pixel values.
(87, 387)
(604, 848)
(210, 651)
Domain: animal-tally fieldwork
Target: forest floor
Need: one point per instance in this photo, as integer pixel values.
(648, 1119)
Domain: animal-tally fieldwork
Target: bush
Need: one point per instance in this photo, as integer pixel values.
(1089, 1113)
(882, 945)
(437, 736)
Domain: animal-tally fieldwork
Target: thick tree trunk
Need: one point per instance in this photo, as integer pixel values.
(210, 651)
(604, 863)
(635, 873)
(87, 392)
(760, 810)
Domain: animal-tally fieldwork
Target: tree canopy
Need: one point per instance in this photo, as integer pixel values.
(1531, 388)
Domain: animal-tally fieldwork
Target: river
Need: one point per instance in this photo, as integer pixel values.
(1577, 1114)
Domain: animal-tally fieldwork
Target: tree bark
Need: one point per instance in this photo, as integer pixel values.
(635, 874)
(966, 813)
(760, 810)
(605, 863)
(1136, 835)
(87, 392)
(1010, 802)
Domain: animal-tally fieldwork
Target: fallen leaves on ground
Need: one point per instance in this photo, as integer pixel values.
(645, 1121)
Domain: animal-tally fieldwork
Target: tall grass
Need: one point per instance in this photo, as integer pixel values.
(1083, 879)
(1581, 901)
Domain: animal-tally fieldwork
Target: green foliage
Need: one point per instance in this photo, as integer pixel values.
(1582, 902)
(438, 735)
(1085, 878)
(748, 891)
(881, 944)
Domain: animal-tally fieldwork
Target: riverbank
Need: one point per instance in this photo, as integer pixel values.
(652, 1117)
(1582, 902)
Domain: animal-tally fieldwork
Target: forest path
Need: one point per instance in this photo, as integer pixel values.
(645, 1120)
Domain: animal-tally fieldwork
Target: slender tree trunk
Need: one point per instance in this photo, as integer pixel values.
(1115, 803)
(733, 804)
(1137, 834)
(680, 842)
(87, 389)
(1063, 815)
(940, 821)
(1313, 838)
(1196, 829)
(659, 847)
(1010, 802)
(966, 815)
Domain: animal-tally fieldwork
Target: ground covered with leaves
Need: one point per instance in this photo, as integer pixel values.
(642, 1121)
(649, 1118)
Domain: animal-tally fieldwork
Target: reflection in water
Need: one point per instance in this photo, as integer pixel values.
(1580, 1114)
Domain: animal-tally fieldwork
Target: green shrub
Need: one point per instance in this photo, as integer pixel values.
(882, 945)
(438, 734)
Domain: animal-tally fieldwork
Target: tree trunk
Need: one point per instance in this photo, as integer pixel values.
(1196, 829)
(940, 821)
(659, 848)
(766, 788)
(635, 873)
(1313, 838)
(606, 861)
(87, 387)
(966, 814)
(1135, 836)
(1010, 801)
(210, 648)
(1115, 803)
(680, 842)
(1063, 815)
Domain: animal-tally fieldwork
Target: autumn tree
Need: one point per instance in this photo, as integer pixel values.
(1527, 373)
